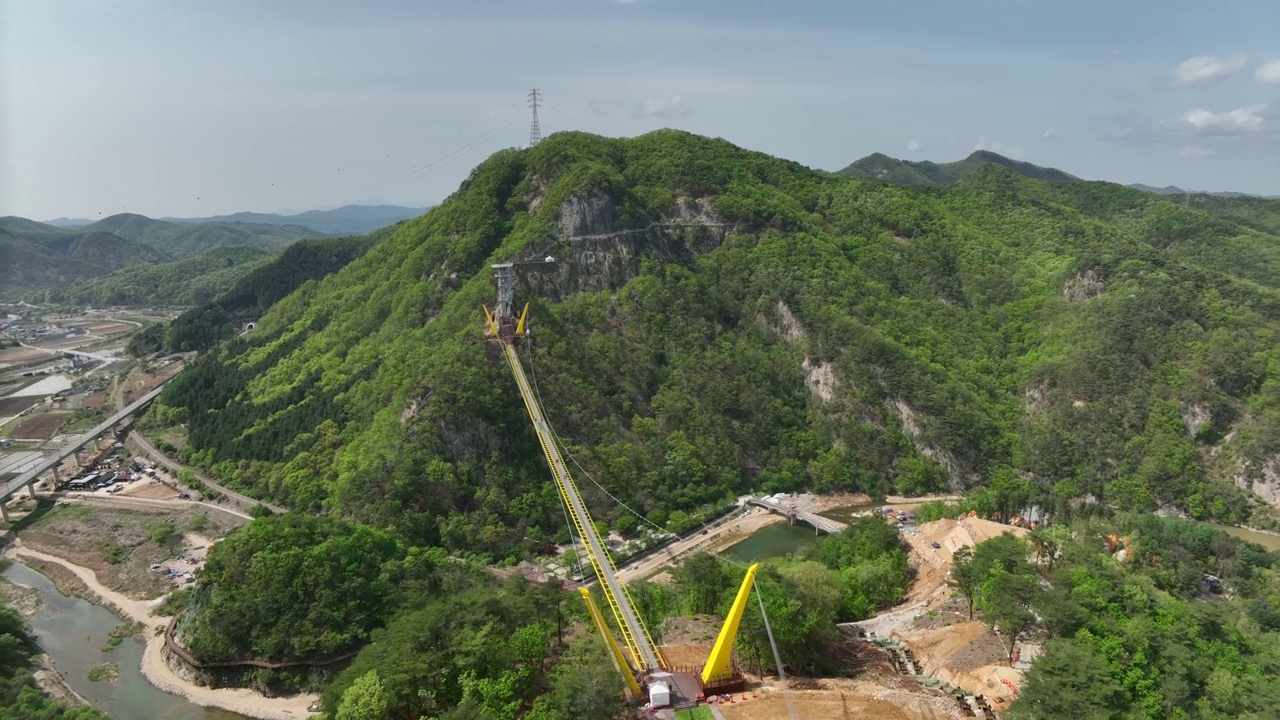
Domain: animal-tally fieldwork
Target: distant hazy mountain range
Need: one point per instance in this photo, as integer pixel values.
(132, 259)
(37, 255)
(906, 172)
(925, 173)
(1175, 190)
(347, 220)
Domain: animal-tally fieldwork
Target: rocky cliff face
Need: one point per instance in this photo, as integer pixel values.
(592, 254)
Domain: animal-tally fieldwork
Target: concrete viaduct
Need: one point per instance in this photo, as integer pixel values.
(28, 479)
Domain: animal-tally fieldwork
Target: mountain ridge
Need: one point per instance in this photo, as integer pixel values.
(926, 173)
(1175, 190)
(724, 322)
(36, 256)
(345, 220)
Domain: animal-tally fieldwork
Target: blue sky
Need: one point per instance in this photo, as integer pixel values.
(178, 107)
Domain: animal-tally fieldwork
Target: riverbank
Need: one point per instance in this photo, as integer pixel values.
(52, 683)
(25, 601)
(743, 523)
(713, 539)
(158, 672)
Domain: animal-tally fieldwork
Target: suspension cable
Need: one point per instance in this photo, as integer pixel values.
(431, 165)
(574, 541)
(777, 657)
(534, 375)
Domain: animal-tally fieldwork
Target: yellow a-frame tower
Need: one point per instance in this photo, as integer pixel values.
(719, 667)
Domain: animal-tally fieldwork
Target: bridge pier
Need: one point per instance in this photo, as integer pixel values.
(9, 487)
(57, 478)
(79, 458)
(4, 513)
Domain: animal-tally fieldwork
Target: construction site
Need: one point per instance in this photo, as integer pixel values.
(922, 659)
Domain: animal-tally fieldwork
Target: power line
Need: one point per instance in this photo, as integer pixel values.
(432, 165)
(535, 132)
(585, 123)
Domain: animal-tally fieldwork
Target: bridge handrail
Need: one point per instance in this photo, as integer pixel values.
(817, 521)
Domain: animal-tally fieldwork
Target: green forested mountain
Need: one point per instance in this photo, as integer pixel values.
(191, 281)
(719, 321)
(32, 258)
(182, 240)
(1258, 213)
(306, 260)
(906, 172)
(36, 256)
(346, 220)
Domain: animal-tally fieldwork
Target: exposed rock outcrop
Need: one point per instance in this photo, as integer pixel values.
(821, 379)
(911, 424)
(1084, 286)
(592, 255)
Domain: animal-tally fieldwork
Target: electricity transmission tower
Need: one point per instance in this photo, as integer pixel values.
(535, 132)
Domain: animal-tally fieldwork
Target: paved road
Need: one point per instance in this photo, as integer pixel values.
(243, 501)
(26, 478)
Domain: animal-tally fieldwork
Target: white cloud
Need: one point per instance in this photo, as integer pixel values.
(595, 108)
(1013, 151)
(1052, 134)
(1193, 151)
(913, 145)
(1269, 73)
(1206, 68)
(1240, 120)
(668, 108)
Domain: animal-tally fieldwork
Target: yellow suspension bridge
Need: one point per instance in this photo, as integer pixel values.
(505, 328)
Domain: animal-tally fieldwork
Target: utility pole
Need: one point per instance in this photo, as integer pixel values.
(535, 132)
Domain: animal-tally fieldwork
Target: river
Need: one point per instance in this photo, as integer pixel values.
(72, 631)
(782, 539)
(771, 541)
(1266, 540)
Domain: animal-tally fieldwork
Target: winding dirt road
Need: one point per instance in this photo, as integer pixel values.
(158, 672)
(242, 501)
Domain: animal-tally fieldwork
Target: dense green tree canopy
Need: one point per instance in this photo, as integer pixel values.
(261, 286)
(472, 645)
(191, 281)
(293, 587)
(1152, 636)
(785, 329)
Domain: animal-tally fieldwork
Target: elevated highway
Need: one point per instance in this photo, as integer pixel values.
(51, 461)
